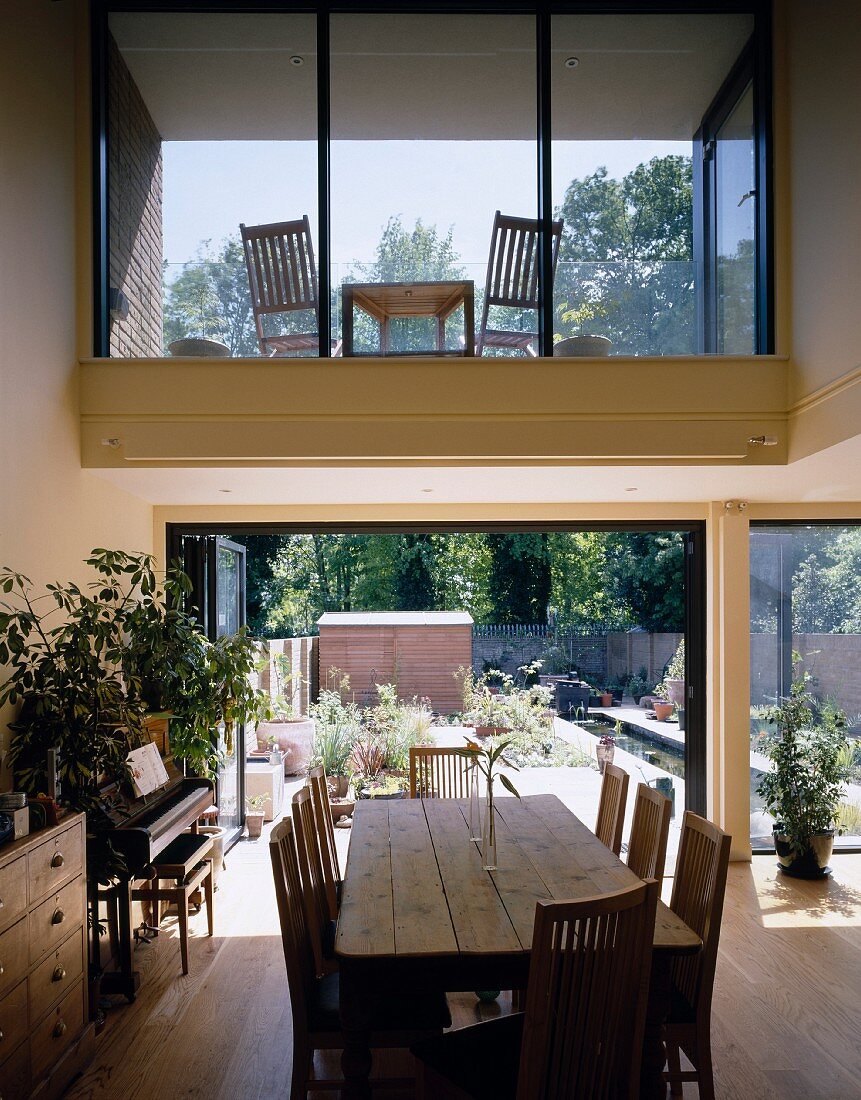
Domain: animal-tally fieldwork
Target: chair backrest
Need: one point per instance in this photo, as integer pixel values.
(611, 807)
(650, 827)
(586, 999)
(438, 773)
(295, 938)
(513, 268)
(282, 274)
(311, 871)
(326, 834)
(698, 893)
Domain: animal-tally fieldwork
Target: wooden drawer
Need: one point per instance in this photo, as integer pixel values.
(13, 955)
(15, 1076)
(13, 891)
(13, 1022)
(55, 918)
(57, 1031)
(53, 977)
(56, 861)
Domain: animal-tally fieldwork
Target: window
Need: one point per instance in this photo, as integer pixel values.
(472, 155)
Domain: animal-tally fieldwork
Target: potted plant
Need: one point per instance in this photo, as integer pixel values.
(484, 709)
(585, 344)
(606, 697)
(199, 316)
(674, 677)
(337, 727)
(605, 751)
(804, 789)
(278, 719)
(255, 814)
(663, 710)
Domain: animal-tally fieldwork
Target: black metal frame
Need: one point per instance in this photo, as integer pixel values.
(766, 523)
(543, 10)
(694, 532)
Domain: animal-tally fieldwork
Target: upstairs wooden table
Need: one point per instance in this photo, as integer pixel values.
(386, 301)
(419, 913)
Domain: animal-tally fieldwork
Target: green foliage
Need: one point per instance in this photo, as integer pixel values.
(647, 571)
(520, 577)
(803, 791)
(625, 266)
(337, 727)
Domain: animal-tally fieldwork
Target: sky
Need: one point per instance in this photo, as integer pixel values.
(212, 186)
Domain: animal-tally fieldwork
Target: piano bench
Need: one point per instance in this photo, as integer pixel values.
(187, 861)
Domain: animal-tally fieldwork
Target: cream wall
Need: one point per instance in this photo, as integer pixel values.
(52, 513)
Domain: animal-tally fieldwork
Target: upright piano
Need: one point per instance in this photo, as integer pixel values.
(141, 828)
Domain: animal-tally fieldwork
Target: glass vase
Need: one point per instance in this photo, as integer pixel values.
(474, 806)
(488, 832)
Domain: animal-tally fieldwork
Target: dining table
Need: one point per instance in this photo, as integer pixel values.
(419, 913)
(390, 302)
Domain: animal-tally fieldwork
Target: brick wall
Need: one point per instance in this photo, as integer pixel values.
(134, 213)
(833, 660)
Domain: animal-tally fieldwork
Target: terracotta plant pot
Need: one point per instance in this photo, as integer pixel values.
(483, 732)
(607, 699)
(254, 823)
(338, 785)
(663, 711)
(293, 736)
(341, 807)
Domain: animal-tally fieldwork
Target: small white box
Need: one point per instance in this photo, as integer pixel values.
(21, 823)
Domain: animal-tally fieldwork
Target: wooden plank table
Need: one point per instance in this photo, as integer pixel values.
(418, 912)
(386, 301)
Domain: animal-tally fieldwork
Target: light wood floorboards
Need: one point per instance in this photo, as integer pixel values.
(787, 1006)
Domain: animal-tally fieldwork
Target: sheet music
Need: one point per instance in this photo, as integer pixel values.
(147, 769)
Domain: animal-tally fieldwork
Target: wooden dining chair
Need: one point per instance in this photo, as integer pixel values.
(650, 827)
(581, 1035)
(698, 894)
(282, 277)
(611, 807)
(318, 783)
(314, 1001)
(321, 928)
(512, 279)
(437, 772)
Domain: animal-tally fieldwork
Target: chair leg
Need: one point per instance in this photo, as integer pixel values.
(182, 913)
(207, 892)
(674, 1066)
(302, 1059)
(705, 1077)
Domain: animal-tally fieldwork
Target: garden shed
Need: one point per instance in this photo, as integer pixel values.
(418, 650)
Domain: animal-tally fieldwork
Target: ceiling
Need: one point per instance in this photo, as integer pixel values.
(831, 475)
(446, 77)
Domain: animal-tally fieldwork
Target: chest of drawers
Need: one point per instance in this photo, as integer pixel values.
(45, 1038)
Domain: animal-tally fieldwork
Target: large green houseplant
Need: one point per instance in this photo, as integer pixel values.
(808, 776)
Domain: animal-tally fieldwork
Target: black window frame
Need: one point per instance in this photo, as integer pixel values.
(543, 11)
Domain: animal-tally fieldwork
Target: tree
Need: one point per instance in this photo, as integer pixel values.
(414, 587)
(519, 577)
(626, 258)
(647, 572)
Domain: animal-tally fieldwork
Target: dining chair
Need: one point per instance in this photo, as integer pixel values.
(321, 927)
(698, 894)
(437, 772)
(650, 827)
(318, 783)
(611, 807)
(581, 1035)
(512, 279)
(397, 1021)
(282, 277)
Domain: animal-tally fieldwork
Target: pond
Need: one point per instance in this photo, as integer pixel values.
(638, 743)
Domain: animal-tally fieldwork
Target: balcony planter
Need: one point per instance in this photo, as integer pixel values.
(200, 346)
(813, 860)
(584, 346)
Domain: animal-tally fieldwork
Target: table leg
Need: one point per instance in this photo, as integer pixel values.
(355, 1023)
(652, 1084)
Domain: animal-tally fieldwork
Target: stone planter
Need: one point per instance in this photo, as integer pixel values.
(341, 807)
(199, 346)
(254, 823)
(294, 737)
(676, 691)
(584, 346)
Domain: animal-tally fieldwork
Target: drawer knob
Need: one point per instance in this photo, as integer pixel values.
(59, 1028)
(58, 860)
(2, 1037)
(59, 973)
(2, 970)
(58, 916)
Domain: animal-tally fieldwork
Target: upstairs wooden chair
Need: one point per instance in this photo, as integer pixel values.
(438, 773)
(698, 894)
(650, 827)
(581, 1035)
(512, 279)
(319, 787)
(321, 927)
(314, 1002)
(611, 808)
(282, 278)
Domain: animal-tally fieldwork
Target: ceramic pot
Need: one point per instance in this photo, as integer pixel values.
(293, 736)
(199, 346)
(607, 699)
(662, 710)
(341, 807)
(813, 862)
(676, 691)
(254, 823)
(605, 755)
(590, 346)
(217, 855)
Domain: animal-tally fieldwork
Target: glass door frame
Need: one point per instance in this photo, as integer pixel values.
(693, 532)
(543, 11)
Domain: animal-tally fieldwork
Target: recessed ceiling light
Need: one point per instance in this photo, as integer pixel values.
(225, 490)
(297, 60)
(572, 62)
(631, 489)
(427, 490)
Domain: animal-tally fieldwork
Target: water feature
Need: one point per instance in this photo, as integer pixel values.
(638, 743)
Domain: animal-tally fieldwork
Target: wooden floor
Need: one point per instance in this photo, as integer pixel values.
(787, 1007)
